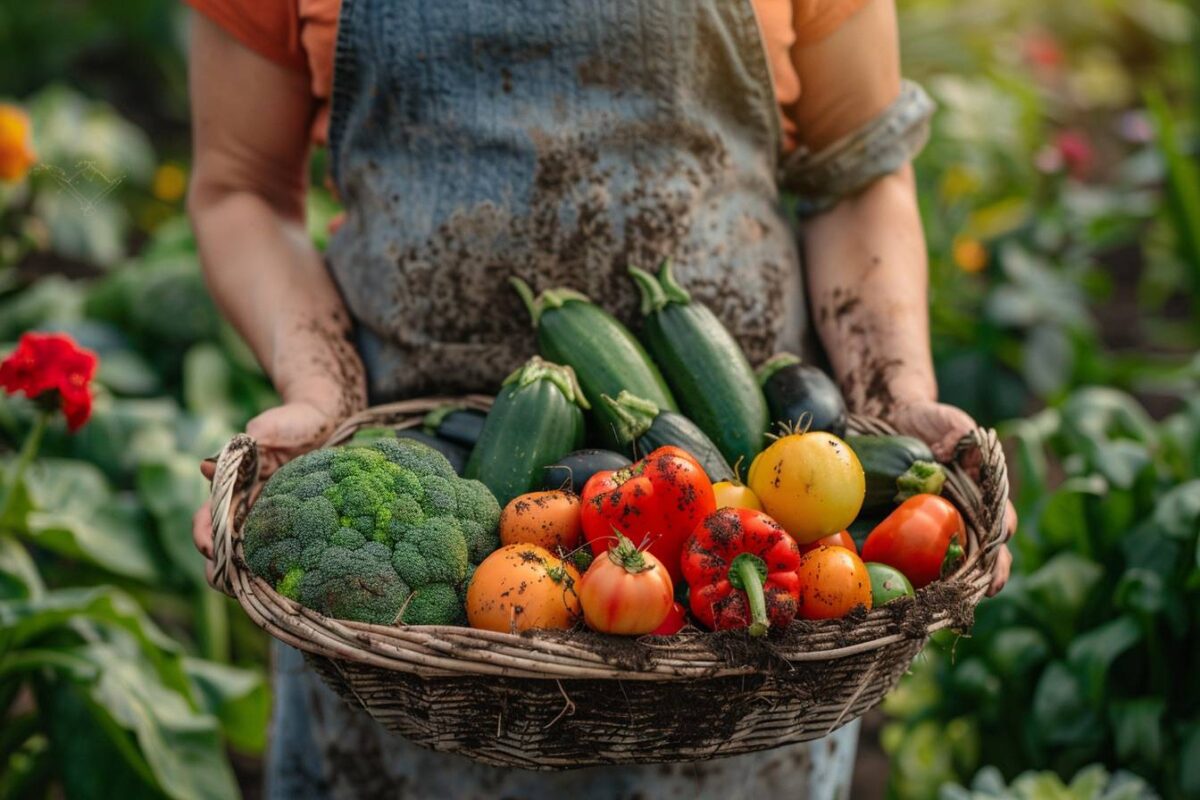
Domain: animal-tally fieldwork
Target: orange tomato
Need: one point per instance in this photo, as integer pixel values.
(626, 591)
(735, 495)
(521, 587)
(839, 539)
(833, 582)
(548, 519)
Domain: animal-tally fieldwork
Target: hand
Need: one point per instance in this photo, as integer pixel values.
(942, 426)
(282, 433)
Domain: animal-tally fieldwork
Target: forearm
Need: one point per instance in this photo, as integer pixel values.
(271, 284)
(867, 275)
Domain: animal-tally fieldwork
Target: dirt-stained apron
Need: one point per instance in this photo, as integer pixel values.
(561, 141)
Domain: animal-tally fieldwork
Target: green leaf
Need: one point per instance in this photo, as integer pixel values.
(19, 577)
(1178, 511)
(237, 697)
(1056, 593)
(182, 747)
(1189, 761)
(1091, 654)
(1061, 716)
(1138, 730)
(172, 488)
(1016, 651)
(1141, 591)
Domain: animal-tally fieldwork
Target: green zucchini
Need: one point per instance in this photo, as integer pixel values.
(456, 423)
(704, 366)
(536, 419)
(896, 468)
(801, 396)
(574, 331)
(643, 428)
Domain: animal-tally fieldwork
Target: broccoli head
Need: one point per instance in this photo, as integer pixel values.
(381, 533)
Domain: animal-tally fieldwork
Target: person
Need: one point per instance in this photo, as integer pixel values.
(559, 142)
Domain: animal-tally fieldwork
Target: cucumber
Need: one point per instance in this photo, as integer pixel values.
(704, 366)
(896, 468)
(573, 331)
(572, 471)
(643, 428)
(800, 395)
(537, 418)
(455, 423)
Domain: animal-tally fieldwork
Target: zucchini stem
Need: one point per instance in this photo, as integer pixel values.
(634, 415)
(670, 287)
(653, 297)
(774, 364)
(923, 477)
(550, 298)
(563, 377)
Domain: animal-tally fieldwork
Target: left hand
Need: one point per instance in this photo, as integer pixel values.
(942, 426)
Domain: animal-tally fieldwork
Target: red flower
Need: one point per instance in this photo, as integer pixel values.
(1077, 152)
(52, 369)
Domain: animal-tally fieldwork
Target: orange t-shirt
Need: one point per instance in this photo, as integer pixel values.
(300, 35)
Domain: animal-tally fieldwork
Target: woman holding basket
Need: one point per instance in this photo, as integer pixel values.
(558, 142)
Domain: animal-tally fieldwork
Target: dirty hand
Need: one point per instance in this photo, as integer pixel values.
(942, 426)
(304, 421)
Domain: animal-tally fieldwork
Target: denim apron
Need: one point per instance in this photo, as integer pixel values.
(560, 141)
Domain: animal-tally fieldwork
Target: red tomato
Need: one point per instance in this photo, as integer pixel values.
(833, 582)
(841, 539)
(626, 591)
(674, 622)
(918, 538)
(656, 502)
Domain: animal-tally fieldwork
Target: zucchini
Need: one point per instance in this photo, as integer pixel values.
(573, 331)
(704, 366)
(643, 428)
(455, 423)
(896, 468)
(537, 418)
(572, 471)
(801, 396)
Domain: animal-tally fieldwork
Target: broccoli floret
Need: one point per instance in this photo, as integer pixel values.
(370, 532)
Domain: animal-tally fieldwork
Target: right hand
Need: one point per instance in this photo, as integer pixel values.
(282, 433)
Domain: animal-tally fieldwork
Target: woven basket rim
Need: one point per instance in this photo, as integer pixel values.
(445, 650)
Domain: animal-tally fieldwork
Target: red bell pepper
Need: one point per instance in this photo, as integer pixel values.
(923, 538)
(656, 502)
(673, 624)
(740, 566)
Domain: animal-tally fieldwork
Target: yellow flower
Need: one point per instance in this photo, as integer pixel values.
(16, 143)
(969, 254)
(959, 182)
(170, 182)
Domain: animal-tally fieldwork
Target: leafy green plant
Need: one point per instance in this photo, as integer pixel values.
(1080, 659)
(1090, 783)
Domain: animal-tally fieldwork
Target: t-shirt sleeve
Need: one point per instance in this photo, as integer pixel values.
(270, 28)
(816, 19)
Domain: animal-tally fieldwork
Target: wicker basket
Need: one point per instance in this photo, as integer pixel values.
(555, 700)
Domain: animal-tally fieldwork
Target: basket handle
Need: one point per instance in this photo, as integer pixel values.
(982, 446)
(236, 472)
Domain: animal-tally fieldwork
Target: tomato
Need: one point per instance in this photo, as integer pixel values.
(626, 591)
(674, 621)
(839, 539)
(887, 583)
(521, 587)
(833, 582)
(811, 483)
(735, 495)
(921, 537)
(658, 502)
(549, 519)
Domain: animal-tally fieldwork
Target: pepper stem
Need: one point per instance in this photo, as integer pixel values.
(923, 477)
(634, 415)
(652, 294)
(774, 364)
(747, 573)
(954, 554)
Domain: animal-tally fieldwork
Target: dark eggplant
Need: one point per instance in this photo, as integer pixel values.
(456, 423)
(800, 395)
(456, 454)
(642, 427)
(572, 471)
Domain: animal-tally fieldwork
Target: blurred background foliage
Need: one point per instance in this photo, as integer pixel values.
(1061, 197)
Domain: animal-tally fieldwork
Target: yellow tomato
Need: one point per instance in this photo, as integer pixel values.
(735, 495)
(810, 483)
